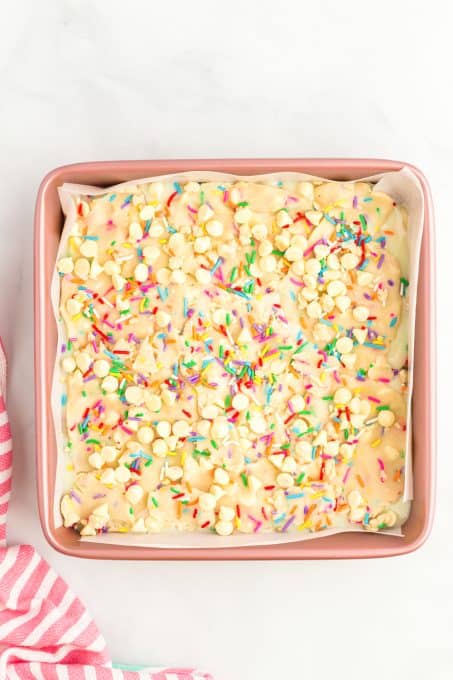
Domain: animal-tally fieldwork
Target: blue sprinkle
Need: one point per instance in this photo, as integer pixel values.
(393, 321)
(292, 496)
(64, 399)
(329, 218)
(112, 197)
(178, 187)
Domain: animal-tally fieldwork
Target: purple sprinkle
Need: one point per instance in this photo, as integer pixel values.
(75, 497)
(355, 202)
(380, 261)
(288, 523)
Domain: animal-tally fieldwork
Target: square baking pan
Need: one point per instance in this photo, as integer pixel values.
(48, 226)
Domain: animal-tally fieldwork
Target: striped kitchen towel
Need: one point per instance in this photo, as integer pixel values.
(45, 631)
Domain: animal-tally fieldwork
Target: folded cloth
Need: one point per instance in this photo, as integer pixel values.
(45, 631)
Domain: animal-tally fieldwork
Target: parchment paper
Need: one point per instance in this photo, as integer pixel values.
(404, 187)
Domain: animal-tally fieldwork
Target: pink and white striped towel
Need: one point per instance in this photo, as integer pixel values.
(45, 631)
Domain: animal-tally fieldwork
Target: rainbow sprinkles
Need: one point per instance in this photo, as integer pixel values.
(235, 358)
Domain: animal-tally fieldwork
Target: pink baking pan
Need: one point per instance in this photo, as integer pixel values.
(48, 226)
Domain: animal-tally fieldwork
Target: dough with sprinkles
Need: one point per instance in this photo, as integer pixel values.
(235, 358)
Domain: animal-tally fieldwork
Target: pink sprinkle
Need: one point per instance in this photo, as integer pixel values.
(384, 380)
(297, 283)
(336, 376)
(192, 210)
(225, 196)
(346, 475)
(380, 463)
(376, 401)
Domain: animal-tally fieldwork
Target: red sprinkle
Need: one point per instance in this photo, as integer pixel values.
(170, 198)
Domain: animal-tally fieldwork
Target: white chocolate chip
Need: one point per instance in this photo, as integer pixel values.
(257, 424)
(344, 345)
(314, 310)
(313, 216)
(297, 402)
(360, 334)
(226, 513)
(282, 241)
(342, 396)
(162, 319)
(147, 213)
(110, 384)
(224, 528)
(178, 276)
(240, 401)
(111, 267)
(294, 254)
(89, 248)
(283, 219)
(360, 313)
(336, 288)
(313, 266)
(265, 248)
(109, 453)
(153, 402)
(73, 306)
(207, 501)
(349, 260)
(349, 359)
(83, 361)
(204, 213)
(96, 460)
(108, 477)
(259, 231)
(134, 395)
(268, 264)
(141, 272)
(139, 526)
(68, 364)
(135, 231)
(386, 418)
(285, 480)
(101, 368)
(163, 275)
(343, 302)
(175, 472)
(242, 215)
(214, 228)
(203, 276)
(160, 447)
(82, 268)
(65, 265)
(180, 428)
(333, 262)
(145, 434)
(118, 281)
(202, 244)
(122, 474)
(151, 253)
(306, 190)
(163, 428)
(221, 476)
(134, 494)
(289, 464)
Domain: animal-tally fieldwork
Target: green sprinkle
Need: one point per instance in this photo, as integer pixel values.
(131, 510)
(228, 319)
(363, 222)
(301, 348)
(243, 204)
(245, 481)
(155, 503)
(279, 253)
(233, 274)
(93, 441)
(382, 408)
(84, 393)
(327, 398)
(300, 478)
(214, 444)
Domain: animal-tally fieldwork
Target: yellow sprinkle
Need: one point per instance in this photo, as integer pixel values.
(123, 530)
(322, 377)
(171, 453)
(376, 443)
(183, 458)
(126, 245)
(237, 522)
(69, 468)
(77, 316)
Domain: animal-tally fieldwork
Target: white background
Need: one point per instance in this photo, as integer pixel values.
(114, 80)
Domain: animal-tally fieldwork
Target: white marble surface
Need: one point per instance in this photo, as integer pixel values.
(106, 80)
